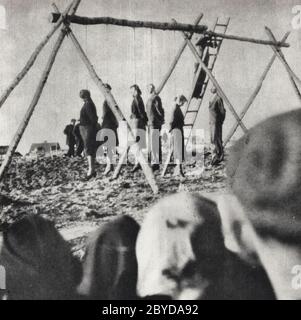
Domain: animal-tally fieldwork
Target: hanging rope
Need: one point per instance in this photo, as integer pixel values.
(106, 54)
(174, 53)
(134, 53)
(152, 67)
(86, 45)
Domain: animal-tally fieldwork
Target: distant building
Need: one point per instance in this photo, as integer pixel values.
(45, 148)
(3, 151)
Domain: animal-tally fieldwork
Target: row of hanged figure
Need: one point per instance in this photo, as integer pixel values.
(244, 244)
(88, 134)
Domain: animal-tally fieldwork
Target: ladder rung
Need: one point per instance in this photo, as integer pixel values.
(192, 111)
(188, 125)
(221, 25)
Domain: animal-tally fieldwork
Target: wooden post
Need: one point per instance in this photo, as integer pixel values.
(33, 58)
(115, 109)
(177, 58)
(14, 144)
(254, 94)
(293, 77)
(214, 81)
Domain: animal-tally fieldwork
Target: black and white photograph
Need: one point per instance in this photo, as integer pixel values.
(149, 150)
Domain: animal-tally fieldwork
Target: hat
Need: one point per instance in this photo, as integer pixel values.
(264, 170)
(107, 86)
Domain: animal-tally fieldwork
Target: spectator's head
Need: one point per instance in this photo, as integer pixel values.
(110, 264)
(262, 216)
(135, 90)
(38, 262)
(108, 87)
(151, 88)
(73, 121)
(180, 248)
(180, 100)
(85, 94)
(213, 90)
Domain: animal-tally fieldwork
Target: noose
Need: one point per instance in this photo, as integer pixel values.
(106, 57)
(86, 45)
(134, 53)
(152, 67)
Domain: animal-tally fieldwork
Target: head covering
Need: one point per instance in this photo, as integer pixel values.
(176, 238)
(181, 254)
(38, 262)
(136, 87)
(264, 171)
(110, 265)
(84, 94)
(107, 86)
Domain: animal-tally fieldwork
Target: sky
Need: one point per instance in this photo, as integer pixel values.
(124, 56)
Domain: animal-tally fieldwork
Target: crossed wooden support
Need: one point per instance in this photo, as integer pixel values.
(69, 15)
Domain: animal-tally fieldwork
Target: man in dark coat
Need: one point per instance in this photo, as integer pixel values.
(203, 45)
(78, 140)
(155, 114)
(109, 122)
(139, 120)
(217, 115)
(70, 139)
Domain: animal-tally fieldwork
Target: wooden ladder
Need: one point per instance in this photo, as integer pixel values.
(191, 112)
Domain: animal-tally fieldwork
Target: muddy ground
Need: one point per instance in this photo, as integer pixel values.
(54, 188)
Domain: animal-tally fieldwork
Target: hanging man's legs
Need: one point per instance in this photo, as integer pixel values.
(156, 152)
(218, 144)
(178, 147)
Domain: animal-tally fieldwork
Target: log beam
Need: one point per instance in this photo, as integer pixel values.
(160, 26)
(131, 23)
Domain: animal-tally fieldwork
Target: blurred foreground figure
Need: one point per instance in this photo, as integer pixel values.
(38, 262)
(181, 254)
(110, 266)
(262, 216)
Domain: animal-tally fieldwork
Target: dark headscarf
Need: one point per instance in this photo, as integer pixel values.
(38, 262)
(110, 266)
